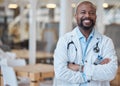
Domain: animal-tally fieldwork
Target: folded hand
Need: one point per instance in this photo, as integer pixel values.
(105, 61)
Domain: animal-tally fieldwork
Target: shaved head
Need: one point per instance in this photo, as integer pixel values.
(85, 3)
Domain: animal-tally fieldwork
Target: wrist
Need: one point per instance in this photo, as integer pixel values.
(81, 67)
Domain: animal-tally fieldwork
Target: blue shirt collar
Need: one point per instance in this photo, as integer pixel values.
(80, 35)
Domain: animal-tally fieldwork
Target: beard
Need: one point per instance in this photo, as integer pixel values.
(86, 27)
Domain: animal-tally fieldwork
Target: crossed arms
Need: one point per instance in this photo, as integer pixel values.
(76, 67)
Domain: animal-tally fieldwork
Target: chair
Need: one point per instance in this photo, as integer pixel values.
(7, 55)
(19, 62)
(16, 62)
(3, 61)
(9, 76)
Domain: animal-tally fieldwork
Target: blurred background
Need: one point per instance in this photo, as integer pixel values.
(39, 23)
(36, 25)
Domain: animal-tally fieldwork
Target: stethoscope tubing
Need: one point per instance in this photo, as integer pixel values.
(68, 46)
(96, 49)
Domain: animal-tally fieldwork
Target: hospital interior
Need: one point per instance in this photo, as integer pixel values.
(30, 29)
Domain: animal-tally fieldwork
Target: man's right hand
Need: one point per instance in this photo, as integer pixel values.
(74, 67)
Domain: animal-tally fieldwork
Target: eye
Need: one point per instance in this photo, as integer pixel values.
(82, 12)
(92, 13)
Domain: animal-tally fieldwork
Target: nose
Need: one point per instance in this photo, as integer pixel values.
(87, 15)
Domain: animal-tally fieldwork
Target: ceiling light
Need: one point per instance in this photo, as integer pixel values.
(12, 6)
(73, 5)
(105, 5)
(28, 5)
(51, 5)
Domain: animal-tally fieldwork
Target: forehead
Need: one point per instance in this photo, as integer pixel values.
(86, 7)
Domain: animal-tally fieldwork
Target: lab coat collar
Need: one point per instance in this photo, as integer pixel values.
(80, 35)
(97, 37)
(75, 39)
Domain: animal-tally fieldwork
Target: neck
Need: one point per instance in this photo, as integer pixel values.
(86, 33)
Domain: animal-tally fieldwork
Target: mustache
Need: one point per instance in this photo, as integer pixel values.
(86, 27)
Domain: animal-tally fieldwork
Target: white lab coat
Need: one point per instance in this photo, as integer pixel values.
(100, 75)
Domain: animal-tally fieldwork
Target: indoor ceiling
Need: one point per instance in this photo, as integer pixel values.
(53, 1)
(43, 2)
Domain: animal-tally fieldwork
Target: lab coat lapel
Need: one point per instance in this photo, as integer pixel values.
(97, 37)
(77, 44)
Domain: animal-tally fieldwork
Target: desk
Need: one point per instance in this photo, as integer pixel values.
(35, 73)
(23, 53)
(43, 56)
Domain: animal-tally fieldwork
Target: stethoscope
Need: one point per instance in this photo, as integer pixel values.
(96, 49)
(70, 44)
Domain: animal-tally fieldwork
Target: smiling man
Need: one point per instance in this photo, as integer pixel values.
(86, 17)
(84, 57)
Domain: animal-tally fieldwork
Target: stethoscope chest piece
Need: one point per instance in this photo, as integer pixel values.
(96, 49)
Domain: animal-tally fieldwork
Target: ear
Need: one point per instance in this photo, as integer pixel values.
(96, 16)
(75, 16)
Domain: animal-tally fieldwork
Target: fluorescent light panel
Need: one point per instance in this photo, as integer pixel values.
(12, 6)
(51, 5)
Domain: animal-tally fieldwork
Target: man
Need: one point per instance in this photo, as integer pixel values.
(84, 57)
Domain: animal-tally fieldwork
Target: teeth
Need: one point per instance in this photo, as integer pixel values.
(86, 21)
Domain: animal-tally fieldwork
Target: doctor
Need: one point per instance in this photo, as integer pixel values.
(84, 57)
